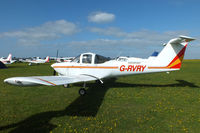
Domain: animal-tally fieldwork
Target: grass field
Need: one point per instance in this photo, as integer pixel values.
(141, 103)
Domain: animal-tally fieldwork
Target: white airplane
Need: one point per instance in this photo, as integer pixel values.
(8, 60)
(64, 59)
(37, 61)
(90, 67)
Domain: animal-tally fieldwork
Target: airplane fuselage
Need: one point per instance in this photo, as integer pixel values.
(108, 69)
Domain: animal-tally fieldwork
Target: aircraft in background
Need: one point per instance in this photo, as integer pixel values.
(36, 61)
(8, 60)
(89, 66)
(64, 59)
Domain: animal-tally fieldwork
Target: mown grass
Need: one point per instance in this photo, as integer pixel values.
(141, 103)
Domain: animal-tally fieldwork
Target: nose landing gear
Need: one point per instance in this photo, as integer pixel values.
(82, 91)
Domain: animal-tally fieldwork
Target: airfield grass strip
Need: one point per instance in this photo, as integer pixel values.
(158, 102)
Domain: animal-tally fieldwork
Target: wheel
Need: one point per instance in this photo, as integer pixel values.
(66, 85)
(82, 91)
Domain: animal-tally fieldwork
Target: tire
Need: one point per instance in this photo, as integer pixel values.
(82, 92)
(66, 85)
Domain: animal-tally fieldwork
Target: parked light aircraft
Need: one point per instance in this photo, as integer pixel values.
(36, 61)
(8, 60)
(90, 66)
(64, 59)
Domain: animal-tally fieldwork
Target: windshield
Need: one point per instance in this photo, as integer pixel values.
(101, 59)
(76, 59)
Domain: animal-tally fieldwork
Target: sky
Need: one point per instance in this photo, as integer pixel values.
(106, 27)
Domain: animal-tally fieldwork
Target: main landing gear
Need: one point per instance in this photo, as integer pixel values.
(82, 91)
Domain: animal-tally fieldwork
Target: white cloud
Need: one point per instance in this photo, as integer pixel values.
(47, 31)
(111, 31)
(139, 43)
(113, 48)
(126, 42)
(139, 38)
(101, 17)
(141, 34)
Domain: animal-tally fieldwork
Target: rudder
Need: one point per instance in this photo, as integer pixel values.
(172, 54)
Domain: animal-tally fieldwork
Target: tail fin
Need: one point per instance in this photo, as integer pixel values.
(172, 54)
(47, 59)
(9, 58)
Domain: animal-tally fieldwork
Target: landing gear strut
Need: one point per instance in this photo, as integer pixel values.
(82, 91)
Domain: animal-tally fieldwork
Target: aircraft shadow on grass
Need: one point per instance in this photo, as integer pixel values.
(85, 106)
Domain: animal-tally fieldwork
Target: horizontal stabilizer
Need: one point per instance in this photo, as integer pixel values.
(181, 39)
(187, 39)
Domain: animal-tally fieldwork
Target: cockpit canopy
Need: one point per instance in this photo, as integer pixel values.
(90, 58)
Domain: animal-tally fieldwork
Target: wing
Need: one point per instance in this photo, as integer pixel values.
(48, 80)
(31, 61)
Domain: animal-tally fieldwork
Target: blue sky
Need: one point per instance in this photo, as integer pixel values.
(107, 27)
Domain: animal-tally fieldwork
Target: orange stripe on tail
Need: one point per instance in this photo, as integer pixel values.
(177, 61)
